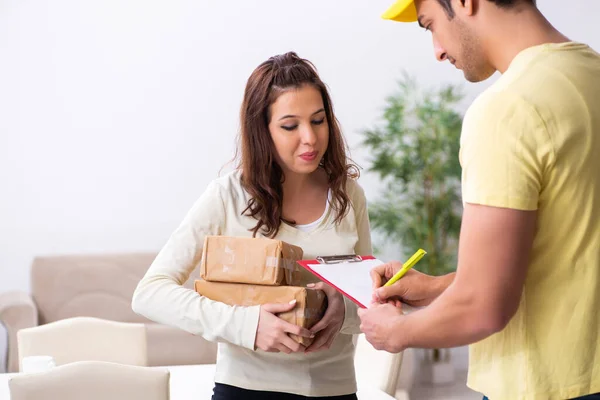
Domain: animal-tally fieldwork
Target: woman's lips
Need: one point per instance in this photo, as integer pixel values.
(309, 156)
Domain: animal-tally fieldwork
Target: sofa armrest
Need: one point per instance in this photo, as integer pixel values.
(17, 311)
(376, 368)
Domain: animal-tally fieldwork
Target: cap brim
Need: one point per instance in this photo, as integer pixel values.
(401, 11)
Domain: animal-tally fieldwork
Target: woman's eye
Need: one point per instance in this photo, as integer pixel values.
(319, 121)
(289, 127)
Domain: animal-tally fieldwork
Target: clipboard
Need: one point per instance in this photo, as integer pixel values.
(348, 274)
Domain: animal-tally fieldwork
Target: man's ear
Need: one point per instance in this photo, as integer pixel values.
(466, 7)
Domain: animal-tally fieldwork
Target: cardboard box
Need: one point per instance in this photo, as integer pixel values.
(256, 261)
(310, 307)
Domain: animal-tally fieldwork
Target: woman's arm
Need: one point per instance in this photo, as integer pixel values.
(161, 297)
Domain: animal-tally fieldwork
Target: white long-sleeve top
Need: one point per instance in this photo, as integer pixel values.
(161, 297)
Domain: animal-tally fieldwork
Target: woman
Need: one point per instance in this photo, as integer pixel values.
(293, 183)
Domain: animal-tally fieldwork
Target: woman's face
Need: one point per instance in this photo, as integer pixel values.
(299, 129)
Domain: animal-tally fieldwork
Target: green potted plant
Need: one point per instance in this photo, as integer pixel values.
(415, 153)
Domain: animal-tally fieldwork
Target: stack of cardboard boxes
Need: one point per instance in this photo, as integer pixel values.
(252, 271)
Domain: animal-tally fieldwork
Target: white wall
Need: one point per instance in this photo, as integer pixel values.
(107, 107)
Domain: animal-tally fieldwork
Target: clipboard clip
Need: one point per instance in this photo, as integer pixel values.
(339, 259)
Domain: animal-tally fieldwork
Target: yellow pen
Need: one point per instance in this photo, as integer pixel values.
(412, 261)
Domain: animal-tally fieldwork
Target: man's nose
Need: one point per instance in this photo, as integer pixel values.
(440, 52)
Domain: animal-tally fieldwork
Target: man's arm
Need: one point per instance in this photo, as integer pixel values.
(493, 256)
(494, 250)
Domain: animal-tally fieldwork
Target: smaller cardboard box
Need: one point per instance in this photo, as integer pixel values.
(257, 261)
(310, 307)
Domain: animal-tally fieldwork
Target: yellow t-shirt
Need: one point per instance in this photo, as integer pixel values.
(532, 142)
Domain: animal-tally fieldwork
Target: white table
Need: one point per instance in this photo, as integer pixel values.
(195, 382)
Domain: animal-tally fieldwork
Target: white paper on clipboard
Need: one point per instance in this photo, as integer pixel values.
(352, 279)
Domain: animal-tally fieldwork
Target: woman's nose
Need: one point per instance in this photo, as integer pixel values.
(308, 135)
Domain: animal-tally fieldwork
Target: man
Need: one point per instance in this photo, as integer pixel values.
(526, 294)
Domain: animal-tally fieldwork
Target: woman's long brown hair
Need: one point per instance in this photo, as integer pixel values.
(262, 176)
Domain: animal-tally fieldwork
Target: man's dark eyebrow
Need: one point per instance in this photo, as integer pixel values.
(419, 21)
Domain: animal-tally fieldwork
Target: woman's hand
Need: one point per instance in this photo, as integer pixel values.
(272, 332)
(329, 326)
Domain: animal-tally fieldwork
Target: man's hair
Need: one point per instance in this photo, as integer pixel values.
(447, 5)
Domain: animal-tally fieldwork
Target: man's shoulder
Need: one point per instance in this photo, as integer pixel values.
(498, 106)
(542, 84)
(502, 117)
(549, 76)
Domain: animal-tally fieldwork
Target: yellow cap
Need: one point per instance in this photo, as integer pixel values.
(401, 11)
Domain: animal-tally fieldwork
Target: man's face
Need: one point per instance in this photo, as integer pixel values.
(454, 39)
